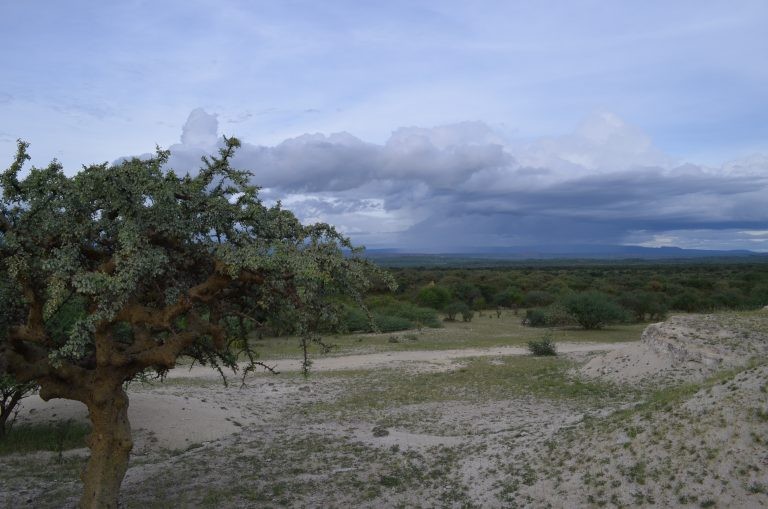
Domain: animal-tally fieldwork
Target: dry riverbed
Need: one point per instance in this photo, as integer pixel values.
(470, 427)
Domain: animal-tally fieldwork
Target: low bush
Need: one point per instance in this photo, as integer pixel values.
(543, 347)
(537, 298)
(455, 308)
(354, 319)
(535, 317)
(389, 315)
(594, 310)
(389, 323)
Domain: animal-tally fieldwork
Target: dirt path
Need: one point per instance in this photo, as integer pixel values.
(419, 359)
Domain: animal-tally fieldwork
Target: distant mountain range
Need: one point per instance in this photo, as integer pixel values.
(561, 252)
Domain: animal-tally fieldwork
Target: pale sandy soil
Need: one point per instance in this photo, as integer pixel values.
(179, 418)
(416, 360)
(284, 440)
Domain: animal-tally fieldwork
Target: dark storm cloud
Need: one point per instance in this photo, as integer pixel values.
(460, 185)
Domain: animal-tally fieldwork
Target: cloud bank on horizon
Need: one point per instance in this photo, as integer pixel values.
(679, 87)
(464, 185)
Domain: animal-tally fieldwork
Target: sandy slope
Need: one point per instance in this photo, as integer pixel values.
(176, 416)
(265, 443)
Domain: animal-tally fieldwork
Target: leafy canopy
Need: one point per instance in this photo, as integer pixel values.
(126, 267)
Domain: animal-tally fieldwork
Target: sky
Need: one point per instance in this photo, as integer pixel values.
(421, 125)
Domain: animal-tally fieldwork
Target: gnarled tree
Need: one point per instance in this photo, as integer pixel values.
(122, 269)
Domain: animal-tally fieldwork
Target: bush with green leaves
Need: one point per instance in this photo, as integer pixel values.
(535, 317)
(509, 298)
(390, 323)
(594, 310)
(433, 296)
(554, 315)
(538, 298)
(455, 308)
(545, 346)
(416, 316)
(387, 315)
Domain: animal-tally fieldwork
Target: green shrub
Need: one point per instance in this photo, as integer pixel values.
(479, 304)
(556, 315)
(643, 304)
(354, 319)
(543, 347)
(537, 298)
(455, 308)
(389, 323)
(594, 310)
(511, 297)
(535, 318)
(418, 316)
(691, 301)
(389, 315)
(433, 296)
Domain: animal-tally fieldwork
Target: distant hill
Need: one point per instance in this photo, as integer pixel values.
(587, 253)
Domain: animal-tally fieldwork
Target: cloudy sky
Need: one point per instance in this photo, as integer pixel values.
(424, 125)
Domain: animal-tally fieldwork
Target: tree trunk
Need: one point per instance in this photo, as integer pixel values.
(110, 443)
(6, 409)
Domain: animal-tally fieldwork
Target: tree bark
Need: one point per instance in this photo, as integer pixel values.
(110, 443)
(6, 409)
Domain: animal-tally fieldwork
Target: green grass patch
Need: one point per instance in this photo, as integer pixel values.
(55, 437)
(484, 331)
(480, 380)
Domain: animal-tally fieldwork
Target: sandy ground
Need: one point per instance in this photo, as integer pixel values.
(417, 360)
(198, 443)
(175, 420)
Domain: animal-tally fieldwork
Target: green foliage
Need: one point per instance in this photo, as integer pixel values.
(479, 304)
(509, 297)
(418, 316)
(55, 437)
(644, 305)
(535, 317)
(650, 289)
(554, 315)
(537, 298)
(465, 292)
(467, 314)
(112, 238)
(390, 323)
(691, 300)
(455, 308)
(433, 296)
(354, 319)
(119, 270)
(388, 315)
(543, 347)
(594, 310)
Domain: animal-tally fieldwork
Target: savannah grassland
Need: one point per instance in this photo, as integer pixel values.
(490, 429)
